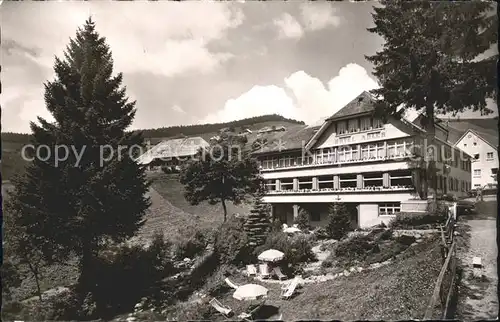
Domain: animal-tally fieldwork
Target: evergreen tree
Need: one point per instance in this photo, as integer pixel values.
(431, 61)
(302, 220)
(223, 172)
(339, 221)
(258, 224)
(76, 206)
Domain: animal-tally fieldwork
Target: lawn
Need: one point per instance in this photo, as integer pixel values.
(398, 291)
(169, 187)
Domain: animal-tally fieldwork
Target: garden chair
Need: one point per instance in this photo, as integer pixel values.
(288, 292)
(278, 273)
(264, 271)
(249, 316)
(251, 270)
(231, 284)
(224, 310)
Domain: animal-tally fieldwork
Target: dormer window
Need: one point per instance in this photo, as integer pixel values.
(353, 126)
(341, 127)
(377, 123)
(366, 124)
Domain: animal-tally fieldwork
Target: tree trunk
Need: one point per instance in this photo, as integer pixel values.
(86, 279)
(224, 207)
(35, 272)
(430, 169)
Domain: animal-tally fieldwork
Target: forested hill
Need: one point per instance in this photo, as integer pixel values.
(188, 130)
(191, 130)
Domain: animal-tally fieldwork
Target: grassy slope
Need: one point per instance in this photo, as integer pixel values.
(181, 212)
(398, 291)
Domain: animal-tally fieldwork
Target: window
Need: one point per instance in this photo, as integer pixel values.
(353, 125)
(348, 181)
(400, 178)
(377, 123)
(389, 208)
(477, 185)
(325, 182)
(305, 183)
(366, 124)
(477, 172)
(494, 170)
(270, 185)
(489, 156)
(475, 143)
(373, 180)
(341, 127)
(476, 156)
(286, 184)
(465, 145)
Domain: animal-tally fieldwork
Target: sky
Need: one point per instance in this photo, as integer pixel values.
(198, 62)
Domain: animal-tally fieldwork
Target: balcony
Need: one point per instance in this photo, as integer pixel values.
(341, 190)
(335, 162)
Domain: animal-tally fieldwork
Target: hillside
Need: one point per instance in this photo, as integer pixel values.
(12, 143)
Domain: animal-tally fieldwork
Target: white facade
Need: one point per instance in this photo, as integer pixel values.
(485, 155)
(357, 160)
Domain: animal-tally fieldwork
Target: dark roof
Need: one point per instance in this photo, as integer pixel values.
(363, 103)
(483, 128)
(289, 140)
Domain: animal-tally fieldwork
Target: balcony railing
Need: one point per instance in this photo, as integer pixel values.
(333, 162)
(341, 190)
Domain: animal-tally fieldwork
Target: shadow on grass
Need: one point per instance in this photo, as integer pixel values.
(267, 312)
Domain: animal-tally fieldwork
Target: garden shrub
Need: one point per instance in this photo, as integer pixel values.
(405, 240)
(339, 221)
(321, 233)
(356, 248)
(420, 220)
(302, 220)
(194, 244)
(129, 274)
(297, 249)
(231, 243)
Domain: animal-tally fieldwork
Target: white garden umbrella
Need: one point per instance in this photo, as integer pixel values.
(291, 230)
(271, 255)
(250, 292)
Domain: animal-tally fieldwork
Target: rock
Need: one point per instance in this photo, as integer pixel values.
(187, 260)
(138, 305)
(414, 244)
(359, 269)
(418, 236)
(131, 318)
(456, 233)
(418, 240)
(352, 269)
(346, 273)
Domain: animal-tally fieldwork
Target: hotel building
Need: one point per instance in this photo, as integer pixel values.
(356, 159)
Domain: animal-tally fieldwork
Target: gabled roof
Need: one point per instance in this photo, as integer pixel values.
(290, 140)
(488, 138)
(362, 104)
(173, 148)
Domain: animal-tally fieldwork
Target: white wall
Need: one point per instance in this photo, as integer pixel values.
(472, 144)
(392, 130)
(368, 215)
(355, 197)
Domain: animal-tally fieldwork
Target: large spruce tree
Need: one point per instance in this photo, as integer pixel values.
(258, 223)
(431, 61)
(76, 206)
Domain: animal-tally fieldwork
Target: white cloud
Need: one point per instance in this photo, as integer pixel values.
(310, 102)
(259, 100)
(288, 26)
(318, 15)
(33, 108)
(178, 109)
(166, 38)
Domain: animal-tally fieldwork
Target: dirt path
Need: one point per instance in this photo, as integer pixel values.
(478, 298)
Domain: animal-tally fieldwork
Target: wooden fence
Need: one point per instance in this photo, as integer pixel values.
(445, 285)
